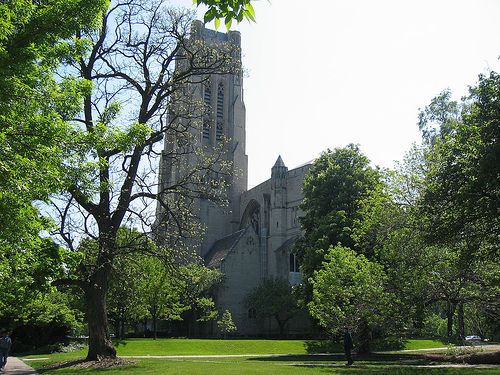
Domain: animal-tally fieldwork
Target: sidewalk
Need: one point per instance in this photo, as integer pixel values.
(18, 367)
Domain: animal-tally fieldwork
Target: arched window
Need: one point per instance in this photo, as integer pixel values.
(294, 263)
(207, 94)
(252, 313)
(219, 131)
(207, 99)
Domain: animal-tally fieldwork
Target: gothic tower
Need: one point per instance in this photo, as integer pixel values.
(223, 124)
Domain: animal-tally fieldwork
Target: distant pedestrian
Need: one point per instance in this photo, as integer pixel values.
(348, 346)
(5, 344)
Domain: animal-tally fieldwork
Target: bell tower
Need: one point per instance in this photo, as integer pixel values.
(220, 127)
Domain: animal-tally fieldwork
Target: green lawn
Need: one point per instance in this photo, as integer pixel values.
(139, 347)
(204, 346)
(274, 366)
(416, 344)
(296, 363)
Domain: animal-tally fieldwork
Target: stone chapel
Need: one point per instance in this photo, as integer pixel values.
(251, 238)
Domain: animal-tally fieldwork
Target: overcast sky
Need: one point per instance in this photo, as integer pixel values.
(324, 73)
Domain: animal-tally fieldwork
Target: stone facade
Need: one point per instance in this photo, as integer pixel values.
(251, 238)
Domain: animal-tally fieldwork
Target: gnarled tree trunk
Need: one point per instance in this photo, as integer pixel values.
(100, 344)
(460, 322)
(450, 312)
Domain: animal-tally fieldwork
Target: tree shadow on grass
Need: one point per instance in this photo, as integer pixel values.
(117, 343)
(83, 364)
(373, 357)
(61, 365)
(389, 370)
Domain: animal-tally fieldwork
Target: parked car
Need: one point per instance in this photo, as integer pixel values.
(473, 338)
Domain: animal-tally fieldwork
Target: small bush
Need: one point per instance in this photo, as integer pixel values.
(453, 350)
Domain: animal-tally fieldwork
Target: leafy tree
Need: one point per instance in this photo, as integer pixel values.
(161, 292)
(109, 176)
(34, 107)
(47, 319)
(462, 184)
(336, 191)
(460, 201)
(274, 298)
(349, 291)
(226, 324)
(197, 287)
(26, 275)
(126, 304)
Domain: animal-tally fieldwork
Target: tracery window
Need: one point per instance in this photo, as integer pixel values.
(219, 131)
(207, 98)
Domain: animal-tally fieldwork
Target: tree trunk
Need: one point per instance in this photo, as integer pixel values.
(117, 327)
(450, 312)
(282, 328)
(282, 325)
(145, 325)
(100, 345)
(460, 322)
(122, 329)
(364, 338)
(154, 327)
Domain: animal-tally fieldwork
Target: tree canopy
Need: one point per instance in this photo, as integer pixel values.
(336, 188)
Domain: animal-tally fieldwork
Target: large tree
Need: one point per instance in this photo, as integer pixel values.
(460, 202)
(140, 61)
(337, 192)
(274, 298)
(463, 185)
(349, 291)
(34, 107)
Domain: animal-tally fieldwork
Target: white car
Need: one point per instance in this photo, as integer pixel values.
(473, 338)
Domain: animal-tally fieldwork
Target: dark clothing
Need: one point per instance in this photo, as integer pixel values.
(348, 347)
(5, 345)
(3, 358)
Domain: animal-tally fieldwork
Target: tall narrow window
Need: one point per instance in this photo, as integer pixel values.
(219, 131)
(207, 99)
(294, 276)
(294, 263)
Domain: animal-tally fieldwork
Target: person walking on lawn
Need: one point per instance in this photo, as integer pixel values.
(5, 345)
(348, 346)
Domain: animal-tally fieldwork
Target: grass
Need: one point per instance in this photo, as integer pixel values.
(296, 362)
(417, 344)
(204, 347)
(142, 347)
(276, 366)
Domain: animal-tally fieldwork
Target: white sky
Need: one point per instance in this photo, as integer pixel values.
(325, 73)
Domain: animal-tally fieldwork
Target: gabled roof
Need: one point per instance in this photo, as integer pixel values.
(221, 248)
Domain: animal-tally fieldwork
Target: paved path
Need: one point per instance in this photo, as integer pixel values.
(18, 367)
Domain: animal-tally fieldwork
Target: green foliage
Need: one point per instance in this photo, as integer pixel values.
(462, 183)
(149, 287)
(227, 10)
(226, 324)
(338, 190)
(348, 291)
(26, 274)
(274, 298)
(196, 287)
(34, 109)
(460, 205)
(46, 319)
